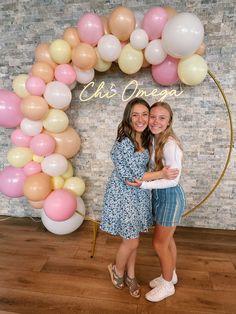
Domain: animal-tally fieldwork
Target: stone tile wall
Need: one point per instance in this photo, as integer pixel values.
(201, 118)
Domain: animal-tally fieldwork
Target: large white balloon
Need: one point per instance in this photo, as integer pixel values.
(154, 52)
(182, 35)
(139, 39)
(57, 94)
(30, 127)
(54, 165)
(84, 76)
(62, 227)
(109, 47)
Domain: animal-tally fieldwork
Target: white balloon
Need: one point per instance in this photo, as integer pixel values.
(54, 165)
(85, 76)
(57, 94)
(30, 127)
(109, 47)
(62, 227)
(72, 85)
(139, 39)
(154, 52)
(138, 18)
(80, 205)
(182, 35)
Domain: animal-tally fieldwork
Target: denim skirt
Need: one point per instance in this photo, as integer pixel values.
(168, 205)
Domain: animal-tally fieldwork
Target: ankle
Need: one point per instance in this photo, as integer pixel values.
(119, 272)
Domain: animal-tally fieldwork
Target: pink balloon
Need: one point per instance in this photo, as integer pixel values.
(90, 28)
(166, 73)
(12, 181)
(65, 73)
(20, 139)
(10, 113)
(60, 205)
(43, 144)
(35, 86)
(154, 21)
(31, 168)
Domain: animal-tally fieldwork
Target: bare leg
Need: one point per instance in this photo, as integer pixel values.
(161, 242)
(126, 256)
(173, 250)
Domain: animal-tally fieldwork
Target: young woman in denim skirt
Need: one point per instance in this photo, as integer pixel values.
(168, 200)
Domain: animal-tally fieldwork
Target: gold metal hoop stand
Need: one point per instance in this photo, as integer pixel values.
(96, 223)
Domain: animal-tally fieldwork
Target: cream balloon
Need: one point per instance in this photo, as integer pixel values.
(56, 121)
(130, 60)
(57, 94)
(192, 70)
(54, 165)
(19, 156)
(60, 51)
(30, 127)
(75, 184)
(154, 52)
(57, 182)
(109, 48)
(182, 35)
(84, 76)
(19, 87)
(101, 65)
(139, 39)
(69, 171)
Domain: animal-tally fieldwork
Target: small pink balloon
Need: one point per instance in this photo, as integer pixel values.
(31, 168)
(12, 181)
(20, 139)
(10, 113)
(90, 28)
(35, 86)
(166, 73)
(43, 144)
(65, 73)
(154, 21)
(60, 205)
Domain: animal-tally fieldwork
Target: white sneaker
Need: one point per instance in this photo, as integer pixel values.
(160, 292)
(156, 281)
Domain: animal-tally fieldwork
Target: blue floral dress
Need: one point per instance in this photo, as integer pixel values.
(126, 210)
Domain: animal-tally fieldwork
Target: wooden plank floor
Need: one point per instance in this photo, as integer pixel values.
(44, 273)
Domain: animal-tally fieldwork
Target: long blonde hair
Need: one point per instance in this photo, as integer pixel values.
(164, 136)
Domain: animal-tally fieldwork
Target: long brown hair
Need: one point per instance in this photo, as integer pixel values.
(164, 136)
(125, 129)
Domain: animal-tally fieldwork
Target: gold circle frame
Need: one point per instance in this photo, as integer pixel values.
(229, 152)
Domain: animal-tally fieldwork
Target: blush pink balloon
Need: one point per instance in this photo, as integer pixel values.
(154, 21)
(65, 73)
(166, 72)
(60, 205)
(31, 168)
(12, 181)
(90, 28)
(43, 144)
(20, 139)
(35, 86)
(10, 113)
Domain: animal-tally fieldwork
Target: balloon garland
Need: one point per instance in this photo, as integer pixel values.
(170, 43)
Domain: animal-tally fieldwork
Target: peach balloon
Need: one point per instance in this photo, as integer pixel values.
(71, 36)
(122, 23)
(145, 64)
(84, 56)
(170, 11)
(67, 142)
(42, 55)
(37, 187)
(105, 20)
(36, 204)
(43, 70)
(201, 50)
(34, 107)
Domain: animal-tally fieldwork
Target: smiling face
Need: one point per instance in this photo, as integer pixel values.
(159, 120)
(139, 118)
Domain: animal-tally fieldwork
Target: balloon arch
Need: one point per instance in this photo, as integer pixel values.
(170, 43)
